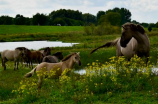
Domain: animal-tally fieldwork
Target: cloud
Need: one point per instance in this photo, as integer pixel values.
(141, 10)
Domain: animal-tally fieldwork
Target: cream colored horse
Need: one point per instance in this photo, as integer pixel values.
(12, 55)
(133, 41)
(66, 63)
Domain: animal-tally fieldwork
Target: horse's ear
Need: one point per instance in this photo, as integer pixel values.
(78, 53)
(140, 29)
(133, 27)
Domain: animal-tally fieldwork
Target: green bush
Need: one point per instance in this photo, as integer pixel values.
(103, 29)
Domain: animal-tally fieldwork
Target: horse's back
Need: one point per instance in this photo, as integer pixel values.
(50, 59)
(9, 54)
(48, 66)
(36, 54)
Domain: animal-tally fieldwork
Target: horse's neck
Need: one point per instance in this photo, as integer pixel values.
(16, 52)
(68, 64)
(57, 56)
(142, 39)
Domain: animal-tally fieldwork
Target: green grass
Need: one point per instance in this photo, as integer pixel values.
(16, 29)
(10, 80)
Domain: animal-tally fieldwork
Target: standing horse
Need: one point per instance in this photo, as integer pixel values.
(53, 59)
(67, 63)
(46, 51)
(133, 41)
(12, 55)
(29, 56)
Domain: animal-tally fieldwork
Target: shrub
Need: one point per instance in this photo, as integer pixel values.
(103, 29)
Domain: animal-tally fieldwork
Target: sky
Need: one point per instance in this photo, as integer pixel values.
(141, 10)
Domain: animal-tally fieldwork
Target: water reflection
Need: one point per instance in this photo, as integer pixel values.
(83, 71)
(35, 45)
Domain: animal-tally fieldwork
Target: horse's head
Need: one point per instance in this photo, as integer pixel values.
(47, 51)
(59, 55)
(20, 50)
(26, 52)
(76, 58)
(128, 30)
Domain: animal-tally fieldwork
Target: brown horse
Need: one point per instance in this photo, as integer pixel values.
(133, 41)
(67, 63)
(12, 55)
(53, 59)
(29, 56)
(46, 51)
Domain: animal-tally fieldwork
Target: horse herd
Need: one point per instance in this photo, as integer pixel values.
(43, 57)
(28, 56)
(133, 41)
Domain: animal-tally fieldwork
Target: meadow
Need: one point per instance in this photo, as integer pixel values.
(106, 80)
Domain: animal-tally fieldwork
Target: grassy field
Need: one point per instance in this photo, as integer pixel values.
(16, 29)
(126, 87)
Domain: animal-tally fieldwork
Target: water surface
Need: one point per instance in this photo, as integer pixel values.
(35, 45)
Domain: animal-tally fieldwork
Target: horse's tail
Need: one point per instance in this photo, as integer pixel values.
(108, 44)
(30, 74)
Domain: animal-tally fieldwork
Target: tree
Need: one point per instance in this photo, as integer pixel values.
(135, 22)
(63, 13)
(59, 22)
(71, 17)
(111, 18)
(156, 24)
(99, 14)
(152, 25)
(6, 20)
(19, 20)
(145, 24)
(125, 14)
(40, 19)
(89, 18)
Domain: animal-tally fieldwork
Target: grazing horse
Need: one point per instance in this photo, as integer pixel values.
(46, 51)
(29, 56)
(53, 59)
(66, 63)
(12, 55)
(133, 41)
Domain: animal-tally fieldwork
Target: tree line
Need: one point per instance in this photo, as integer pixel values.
(63, 17)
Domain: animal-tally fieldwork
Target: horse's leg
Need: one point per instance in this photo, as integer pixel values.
(40, 82)
(14, 65)
(17, 64)
(4, 61)
(28, 63)
(147, 59)
(31, 64)
(3, 64)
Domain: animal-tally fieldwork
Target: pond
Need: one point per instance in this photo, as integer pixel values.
(35, 45)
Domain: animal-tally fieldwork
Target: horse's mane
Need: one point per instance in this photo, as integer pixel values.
(68, 56)
(47, 48)
(135, 27)
(57, 53)
(27, 50)
(20, 48)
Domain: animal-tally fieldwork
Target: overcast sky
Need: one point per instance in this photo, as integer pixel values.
(141, 10)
